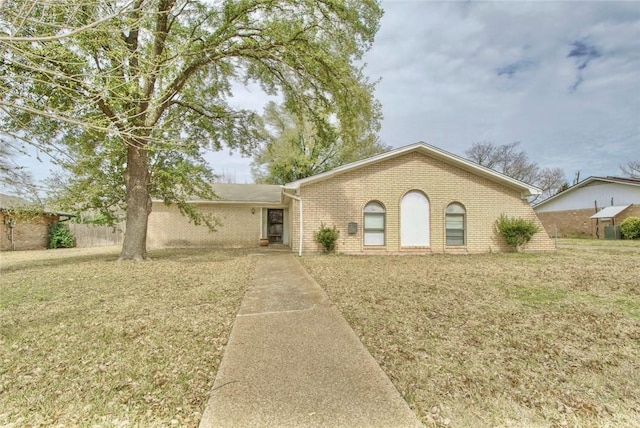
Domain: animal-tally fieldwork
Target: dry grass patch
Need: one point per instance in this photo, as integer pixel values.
(582, 242)
(500, 339)
(94, 342)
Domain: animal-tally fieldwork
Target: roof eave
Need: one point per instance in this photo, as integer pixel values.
(525, 189)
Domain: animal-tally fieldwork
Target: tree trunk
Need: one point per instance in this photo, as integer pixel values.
(138, 201)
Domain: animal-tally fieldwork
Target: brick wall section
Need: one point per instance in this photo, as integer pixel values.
(341, 199)
(169, 228)
(578, 223)
(27, 234)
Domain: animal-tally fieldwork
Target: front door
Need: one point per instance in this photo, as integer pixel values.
(275, 225)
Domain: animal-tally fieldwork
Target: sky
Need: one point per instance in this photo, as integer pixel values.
(560, 77)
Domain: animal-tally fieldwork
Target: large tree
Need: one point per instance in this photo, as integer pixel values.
(133, 91)
(508, 160)
(296, 146)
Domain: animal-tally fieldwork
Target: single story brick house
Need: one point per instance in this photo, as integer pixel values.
(585, 209)
(416, 199)
(20, 232)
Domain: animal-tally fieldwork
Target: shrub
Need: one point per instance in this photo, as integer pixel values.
(60, 236)
(630, 228)
(516, 231)
(327, 237)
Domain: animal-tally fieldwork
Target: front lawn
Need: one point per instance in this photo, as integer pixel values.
(500, 339)
(86, 340)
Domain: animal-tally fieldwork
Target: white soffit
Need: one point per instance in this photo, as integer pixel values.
(610, 212)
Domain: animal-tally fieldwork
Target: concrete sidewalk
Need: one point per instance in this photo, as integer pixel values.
(293, 361)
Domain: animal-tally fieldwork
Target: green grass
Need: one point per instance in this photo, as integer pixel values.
(92, 341)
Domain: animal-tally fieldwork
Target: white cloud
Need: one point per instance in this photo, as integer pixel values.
(457, 73)
(440, 66)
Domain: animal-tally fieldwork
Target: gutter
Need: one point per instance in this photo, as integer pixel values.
(299, 199)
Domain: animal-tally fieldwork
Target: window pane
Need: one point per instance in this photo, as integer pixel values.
(455, 222)
(455, 237)
(373, 207)
(455, 241)
(455, 208)
(374, 221)
(374, 238)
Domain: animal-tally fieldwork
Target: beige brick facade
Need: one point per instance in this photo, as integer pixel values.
(340, 199)
(26, 234)
(240, 226)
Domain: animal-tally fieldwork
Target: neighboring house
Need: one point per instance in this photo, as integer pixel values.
(417, 199)
(583, 210)
(25, 226)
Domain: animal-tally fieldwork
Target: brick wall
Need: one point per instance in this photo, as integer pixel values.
(578, 223)
(341, 199)
(169, 228)
(27, 234)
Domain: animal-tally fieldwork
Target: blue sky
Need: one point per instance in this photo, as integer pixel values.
(561, 77)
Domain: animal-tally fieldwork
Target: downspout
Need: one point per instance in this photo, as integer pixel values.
(299, 199)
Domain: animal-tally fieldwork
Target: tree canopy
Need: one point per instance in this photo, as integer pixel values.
(13, 177)
(515, 163)
(296, 146)
(128, 94)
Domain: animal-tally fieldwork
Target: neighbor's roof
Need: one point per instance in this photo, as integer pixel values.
(245, 193)
(610, 212)
(591, 180)
(8, 201)
(432, 152)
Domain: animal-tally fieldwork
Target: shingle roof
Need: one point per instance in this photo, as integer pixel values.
(8, 201)
(245, 193)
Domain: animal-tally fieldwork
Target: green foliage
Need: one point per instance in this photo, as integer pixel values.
(24, 212)
(60, 236)
(298, 146)
(630, 228)
(327, 237)
(129, 96)
(516, 231)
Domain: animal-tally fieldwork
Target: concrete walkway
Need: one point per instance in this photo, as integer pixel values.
(293, 361)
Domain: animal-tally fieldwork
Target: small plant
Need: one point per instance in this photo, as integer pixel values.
(327, 237)
(630, 228)
(60, 236)
(516, 231)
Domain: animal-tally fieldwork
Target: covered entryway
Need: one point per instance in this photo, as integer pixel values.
(275, 225)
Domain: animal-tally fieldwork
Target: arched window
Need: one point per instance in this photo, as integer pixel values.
(456, 224)
(374, 223)
(414, 220)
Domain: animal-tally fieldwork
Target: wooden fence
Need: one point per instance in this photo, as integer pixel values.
(91, 235)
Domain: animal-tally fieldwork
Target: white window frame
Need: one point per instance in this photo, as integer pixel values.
(455, 210)
(374, 210)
